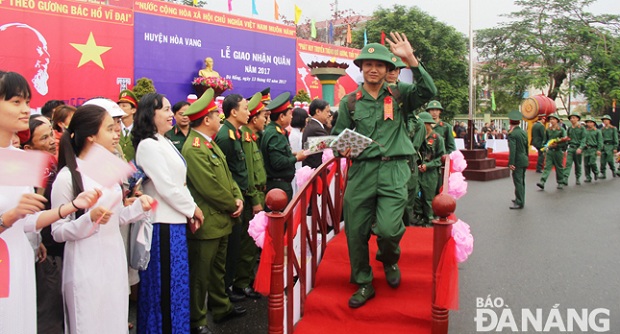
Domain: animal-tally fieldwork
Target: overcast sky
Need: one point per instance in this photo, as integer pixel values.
(485, 13)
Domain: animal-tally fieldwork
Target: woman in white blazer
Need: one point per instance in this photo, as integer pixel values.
(163, 305)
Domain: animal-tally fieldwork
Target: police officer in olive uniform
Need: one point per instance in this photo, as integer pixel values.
(593, 147)
(554, 155)
(576, 144)
(429, 164)
(517, 158)
(279, 159)
(377, 186)
(610, 147)
(217, 194)
(129, 103)
(441, 128)
(538, 141)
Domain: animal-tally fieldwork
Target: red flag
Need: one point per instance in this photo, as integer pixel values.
(230, 5)
(104, 167)
(23, 168)
(96, 53)
(382, 37)
(348, 34)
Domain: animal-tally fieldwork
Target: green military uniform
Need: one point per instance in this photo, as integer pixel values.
(575, 144)
(593, 146)
(554, 156)
(126, 145)
(431, 151)
(377, 179)
(229, 141)
(215, 192)
(443, 129)
(538, 141)
(417, 134)
(610, 147)
(276, 150)
(257, 179)
(177, 137)
(518, 148)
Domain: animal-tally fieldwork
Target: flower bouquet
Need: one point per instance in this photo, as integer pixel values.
(554, 143)
(219, 85)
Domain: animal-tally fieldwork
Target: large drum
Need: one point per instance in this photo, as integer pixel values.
(537, 105)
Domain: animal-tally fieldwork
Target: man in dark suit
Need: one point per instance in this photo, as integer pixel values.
(319, 112)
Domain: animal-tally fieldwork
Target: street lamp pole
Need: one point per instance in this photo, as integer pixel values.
(472, 101)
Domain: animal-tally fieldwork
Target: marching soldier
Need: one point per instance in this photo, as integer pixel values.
(576, 144)
(593, 146)
(554, 154)
(218, 196)
(373, 201)
(429, 164)
(442, 128)
(610, 147)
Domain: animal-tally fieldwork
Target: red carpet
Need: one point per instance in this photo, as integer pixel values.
(403, 310)
(501, 159)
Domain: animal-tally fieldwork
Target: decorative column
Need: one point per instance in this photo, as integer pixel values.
(328, 74)
(276, 200)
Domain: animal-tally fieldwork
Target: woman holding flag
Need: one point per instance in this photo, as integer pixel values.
(20, 211)
(95, 270)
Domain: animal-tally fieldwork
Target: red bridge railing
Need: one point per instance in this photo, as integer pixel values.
(289, 266)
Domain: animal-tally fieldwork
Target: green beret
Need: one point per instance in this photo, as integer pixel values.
(280, 104)
(515, 115)
(376, 51)
(426, 117)
(204, 105)
(434, 105)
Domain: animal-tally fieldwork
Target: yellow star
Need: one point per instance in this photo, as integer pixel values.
(91, 51)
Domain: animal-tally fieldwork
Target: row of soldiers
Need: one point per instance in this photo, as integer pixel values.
(578, 143)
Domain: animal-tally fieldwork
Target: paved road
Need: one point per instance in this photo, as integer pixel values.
(561, 250)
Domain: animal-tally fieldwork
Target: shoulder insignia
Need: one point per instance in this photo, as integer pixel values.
(358, 95)
(231, 134)
(440, 123)
(434, 135)
(279, 130)
(196, 142)
(247, 137)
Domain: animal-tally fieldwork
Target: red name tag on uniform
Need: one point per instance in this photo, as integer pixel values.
(388, 108)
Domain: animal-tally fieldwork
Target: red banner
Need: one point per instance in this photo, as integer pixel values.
(69, 51)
